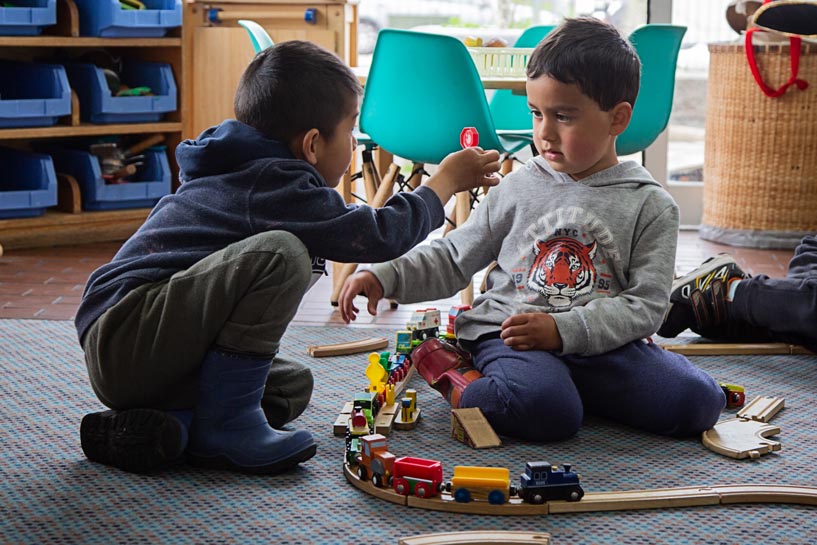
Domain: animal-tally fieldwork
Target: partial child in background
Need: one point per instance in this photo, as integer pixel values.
(585, 250)
(720, 301)
(181, 329)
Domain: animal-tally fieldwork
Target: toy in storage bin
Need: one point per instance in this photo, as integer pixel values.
(27, 17)
(143, 190)
(98, 105)
(107, 19)
(32, 94)
(28, 184)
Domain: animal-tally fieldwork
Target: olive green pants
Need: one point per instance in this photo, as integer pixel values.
(146, 350)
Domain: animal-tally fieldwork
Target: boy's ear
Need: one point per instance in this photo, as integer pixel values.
(621, 114)
(306, 146)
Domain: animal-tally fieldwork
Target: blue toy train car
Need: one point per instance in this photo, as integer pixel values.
(542, 481)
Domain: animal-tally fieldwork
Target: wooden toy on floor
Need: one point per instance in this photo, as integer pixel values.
(746, 435)
(479, 537)
(343, 349)
(470, 426)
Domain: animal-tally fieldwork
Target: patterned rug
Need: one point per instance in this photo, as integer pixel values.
(49, 492)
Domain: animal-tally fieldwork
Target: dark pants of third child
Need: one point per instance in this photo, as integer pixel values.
(145, 352)
(786, 307)
(539, 396)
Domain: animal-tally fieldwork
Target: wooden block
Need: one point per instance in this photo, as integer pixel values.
(339, 428)
(385, 419)
(342, 349)
(399, 424)
(478, 537)
(762, 408)
(470, 426)
(741, 438)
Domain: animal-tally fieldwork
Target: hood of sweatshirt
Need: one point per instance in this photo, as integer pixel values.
(626, 174)
(224, 148)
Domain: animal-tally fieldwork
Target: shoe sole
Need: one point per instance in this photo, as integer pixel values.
(224, 462)
(136, 440)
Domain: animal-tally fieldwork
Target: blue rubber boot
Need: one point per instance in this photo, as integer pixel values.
(230, 430)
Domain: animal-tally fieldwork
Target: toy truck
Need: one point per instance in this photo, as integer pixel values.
(418, 476)
(375, 462)
(541, 482)
(424, 324)
(481, 483)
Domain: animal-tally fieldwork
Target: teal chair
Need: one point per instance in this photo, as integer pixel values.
(258, 36)
(422, 90)
(657, 47)
(510, 110)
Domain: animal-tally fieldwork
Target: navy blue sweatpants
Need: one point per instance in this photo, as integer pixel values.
(786, 307)
(538, 396)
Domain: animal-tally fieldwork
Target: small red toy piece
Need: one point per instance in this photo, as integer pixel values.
(469, 137)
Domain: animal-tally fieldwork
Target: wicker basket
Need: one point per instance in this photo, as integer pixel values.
(760, 166)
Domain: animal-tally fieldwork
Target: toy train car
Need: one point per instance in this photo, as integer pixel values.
(481, 483)
(541, 482)
(418, 476)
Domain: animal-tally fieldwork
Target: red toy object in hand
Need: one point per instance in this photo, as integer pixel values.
(469, 137)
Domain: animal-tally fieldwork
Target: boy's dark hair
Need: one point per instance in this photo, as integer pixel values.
(593, 55)
(295, 86)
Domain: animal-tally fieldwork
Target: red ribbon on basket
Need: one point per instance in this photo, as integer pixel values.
(794, 55)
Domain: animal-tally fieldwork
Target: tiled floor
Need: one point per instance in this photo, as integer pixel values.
(47, 283)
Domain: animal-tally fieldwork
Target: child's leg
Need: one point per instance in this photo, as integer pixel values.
(524, 394)
(785, 306)
(147, 350)
(287, 391)
(645, 386)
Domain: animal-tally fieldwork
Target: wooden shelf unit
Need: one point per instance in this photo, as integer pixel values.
(63, 228)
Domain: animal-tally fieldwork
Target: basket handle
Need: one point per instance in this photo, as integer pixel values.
(794, 56)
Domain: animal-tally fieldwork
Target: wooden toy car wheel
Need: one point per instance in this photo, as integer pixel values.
(422, 490)
(462, 495)
(496, 497)
(361, 473)
(401, 486)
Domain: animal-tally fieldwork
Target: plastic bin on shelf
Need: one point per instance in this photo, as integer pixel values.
(98, 105)
(32, 94)
(28, 184)
(143, 190)
(107, 19)
(27, 17)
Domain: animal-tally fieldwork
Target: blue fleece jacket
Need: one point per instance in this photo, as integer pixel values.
(237, 183)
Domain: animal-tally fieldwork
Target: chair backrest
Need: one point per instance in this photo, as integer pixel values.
(510, 110)
(421, 91)
(657, 47)
(259, 37)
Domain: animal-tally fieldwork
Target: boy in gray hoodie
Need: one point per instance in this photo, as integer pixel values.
(585, 251)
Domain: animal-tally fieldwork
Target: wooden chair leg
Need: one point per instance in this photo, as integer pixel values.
(371, 176)
(384, 192)
(507, 166)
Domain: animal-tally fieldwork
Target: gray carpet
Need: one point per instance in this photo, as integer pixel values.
(49, 493)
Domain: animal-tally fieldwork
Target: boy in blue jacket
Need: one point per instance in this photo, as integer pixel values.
(585, 250)
(181, 329)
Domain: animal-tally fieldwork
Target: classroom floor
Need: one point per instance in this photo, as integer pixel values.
(47, 283)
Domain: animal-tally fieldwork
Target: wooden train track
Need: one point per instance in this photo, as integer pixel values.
(659, 498)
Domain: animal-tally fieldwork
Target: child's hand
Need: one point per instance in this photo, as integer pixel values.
(463, 170)
(364, 283)
(531, 331)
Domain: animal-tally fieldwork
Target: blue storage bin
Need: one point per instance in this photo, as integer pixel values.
(98, 105)
(27, 17)
(28, 184)
(32, 94)
(106, 18)
(144, 189)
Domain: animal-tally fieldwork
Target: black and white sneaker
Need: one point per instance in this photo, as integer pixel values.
(136, 440)
(699, 300)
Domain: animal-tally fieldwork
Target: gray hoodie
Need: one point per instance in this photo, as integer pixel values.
(598, 254)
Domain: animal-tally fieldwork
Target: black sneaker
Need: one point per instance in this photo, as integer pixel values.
(136, 440)
(698, 300)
